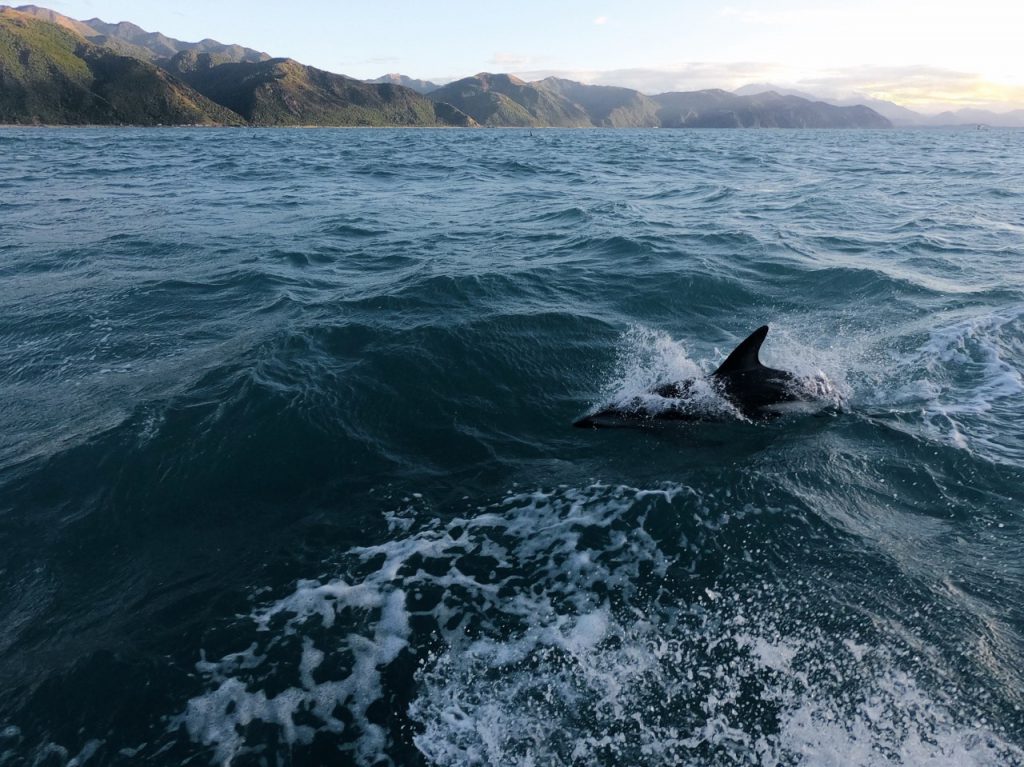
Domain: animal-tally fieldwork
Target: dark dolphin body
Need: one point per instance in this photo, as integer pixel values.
(755, 391)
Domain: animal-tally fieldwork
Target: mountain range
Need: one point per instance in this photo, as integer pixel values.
(902, 117)
(58, 70)
(130, 40)
(50, 73)
(420, 86)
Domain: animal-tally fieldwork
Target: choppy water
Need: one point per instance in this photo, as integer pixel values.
(287, 476)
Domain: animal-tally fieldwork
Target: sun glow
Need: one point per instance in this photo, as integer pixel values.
(919, 54)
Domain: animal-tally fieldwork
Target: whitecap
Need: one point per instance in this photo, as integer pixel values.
(554, 628)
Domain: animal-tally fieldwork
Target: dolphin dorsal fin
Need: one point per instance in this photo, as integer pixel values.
(744, 357)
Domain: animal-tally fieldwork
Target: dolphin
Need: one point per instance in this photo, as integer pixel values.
(754, 391)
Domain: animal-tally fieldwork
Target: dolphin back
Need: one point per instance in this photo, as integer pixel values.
(752, 389)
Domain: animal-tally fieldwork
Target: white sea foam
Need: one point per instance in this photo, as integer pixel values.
(688, 691)
(647, 358)
(974, 350)
(553, 628)
(966, 380)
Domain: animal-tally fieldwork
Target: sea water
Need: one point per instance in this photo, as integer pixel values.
(287, 474)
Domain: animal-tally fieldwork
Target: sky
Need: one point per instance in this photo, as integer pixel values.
(928, 55)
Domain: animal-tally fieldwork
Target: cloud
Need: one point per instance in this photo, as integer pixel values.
(923, 88)
(686, 77)
(794, 16)
(601, 20)
(506, 59)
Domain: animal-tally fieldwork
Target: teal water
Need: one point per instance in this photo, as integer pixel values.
(287, 474)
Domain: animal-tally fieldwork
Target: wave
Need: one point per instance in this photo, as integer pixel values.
(556, 626)
(966, 379)
(212, 396)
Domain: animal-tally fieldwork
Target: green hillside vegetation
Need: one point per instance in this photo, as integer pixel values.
(491, 109)
(49, 74)
(128, 39)
(143, 94)
(39, 65)
(285, 92)
(85, 31)
(505, 100)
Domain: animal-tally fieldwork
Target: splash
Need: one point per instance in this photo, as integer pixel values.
(555, 628)
(965, 380)
(648, 359)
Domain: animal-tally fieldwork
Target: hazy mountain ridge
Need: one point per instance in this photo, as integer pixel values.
(721, 109)
(209, 82)
(394, 78)
(505, 100)
(901, 116)
(607, 105)
(968, 116)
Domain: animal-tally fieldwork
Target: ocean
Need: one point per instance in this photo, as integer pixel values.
(288, 476)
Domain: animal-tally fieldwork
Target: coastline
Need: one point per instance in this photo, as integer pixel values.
(93, 126)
